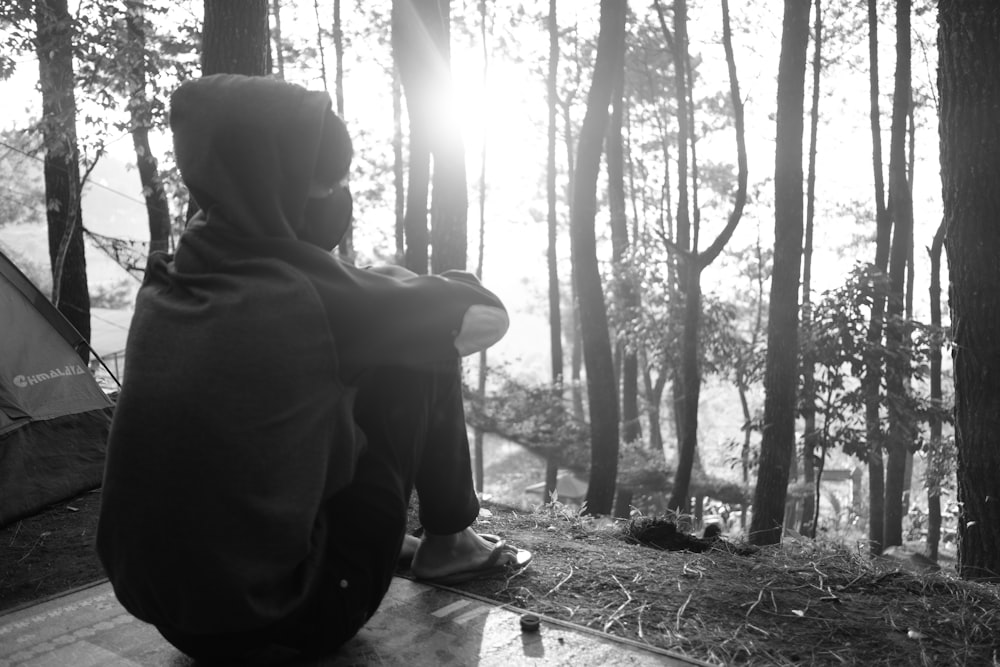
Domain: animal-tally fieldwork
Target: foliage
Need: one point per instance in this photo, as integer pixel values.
(533, 415)
(838, 343)
(21, 178)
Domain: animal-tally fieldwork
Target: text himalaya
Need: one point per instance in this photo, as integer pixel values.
(68, 369)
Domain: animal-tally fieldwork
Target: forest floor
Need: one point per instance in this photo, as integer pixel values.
(803, 602)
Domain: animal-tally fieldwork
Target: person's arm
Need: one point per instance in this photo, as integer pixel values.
(389, 315)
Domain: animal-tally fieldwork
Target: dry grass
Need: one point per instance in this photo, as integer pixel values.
(801, 603)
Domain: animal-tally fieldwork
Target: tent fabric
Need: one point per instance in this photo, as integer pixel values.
(54, 417)
(50, 461)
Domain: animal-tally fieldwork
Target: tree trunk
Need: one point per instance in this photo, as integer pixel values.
(235, 37)
(602, 397)
(319, 44)
(450, 199)
(576, 350)
(346, 246)
(872, 380)
(552, 258)
(900, 432)
(685, 441)
(279, 50)
(399, 189)
(934, 481)
(808, 401)
(408, 56)
(624, 292)
(54, 46)
(481, 254)
(157, 209)
(555, 314)
(781, 375)
(420, 32)
(969, 86)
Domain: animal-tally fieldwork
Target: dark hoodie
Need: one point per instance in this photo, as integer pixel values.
(235, 423)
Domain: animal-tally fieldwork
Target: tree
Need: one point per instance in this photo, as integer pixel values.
(602, 394)
(235, 37)
(872, 379)
(140, 110)
(421, 48)
(901, 434)
(807, 525)
(934, 445)
(781, 374)
(552, 222)
(63, 185)
(969, 87)
(693, 262)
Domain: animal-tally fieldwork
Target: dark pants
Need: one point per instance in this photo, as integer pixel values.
(414, 423)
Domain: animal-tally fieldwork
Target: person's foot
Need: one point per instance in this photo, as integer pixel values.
(463, 556)
(410, 544)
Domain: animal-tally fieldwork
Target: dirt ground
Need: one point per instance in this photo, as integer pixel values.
(801, 603)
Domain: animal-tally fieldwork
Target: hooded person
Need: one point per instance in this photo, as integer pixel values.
(280, 405)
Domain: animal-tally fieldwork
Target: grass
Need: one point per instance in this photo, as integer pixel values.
(802, 602)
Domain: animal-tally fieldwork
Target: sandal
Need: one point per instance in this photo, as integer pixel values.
(504, 559)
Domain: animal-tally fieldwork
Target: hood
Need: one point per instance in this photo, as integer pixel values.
(249, 148)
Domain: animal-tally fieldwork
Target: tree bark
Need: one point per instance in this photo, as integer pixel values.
(872, 380)
(969, 87)
(781, 375)
(808, 401)
(279, 50)
(346, 246)
(934, 484)
(624, 292)
(552, 258)
(54, 47)
(235, 37)
(157, 209)
(449, 198)
(602, 397)
(901, 209)
(420, 33)
(407, 56)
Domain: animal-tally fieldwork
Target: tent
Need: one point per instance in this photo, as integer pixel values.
(54, 417)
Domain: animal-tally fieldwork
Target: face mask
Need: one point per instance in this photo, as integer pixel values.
(325, 220)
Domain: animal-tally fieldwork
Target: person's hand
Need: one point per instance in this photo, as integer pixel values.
(393, 271)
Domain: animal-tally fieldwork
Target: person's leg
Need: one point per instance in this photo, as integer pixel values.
(414, 425)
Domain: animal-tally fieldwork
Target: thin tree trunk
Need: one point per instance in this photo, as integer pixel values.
(157, 209)
(934, 483)
(781, 375)
(552, 259)
(624, 292)
(346, 246)
(319, 44)
(602, 397)
(398, 176)
(481, 254)
(872, 380)
(692, 265)
(900, 433)
(279, 50)
(576, 350)
(808, 526)
(415, 66)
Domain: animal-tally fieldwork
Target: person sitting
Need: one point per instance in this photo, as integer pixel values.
(279, 405)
